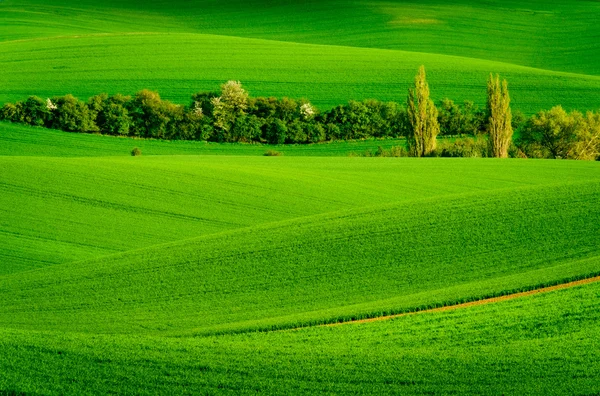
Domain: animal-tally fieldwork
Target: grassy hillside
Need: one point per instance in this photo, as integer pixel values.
(169, 273)
(561, 35)
(178, 65)
(77, 208)
(348, 263)
(547, 342)
(117, 47)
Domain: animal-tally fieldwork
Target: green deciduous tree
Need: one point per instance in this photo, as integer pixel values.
(423, 117)
(231, 105)
(558, 134)
(499, 117)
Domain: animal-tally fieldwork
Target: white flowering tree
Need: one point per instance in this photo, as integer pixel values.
(232, 104)
(49, 105)
(307, 111)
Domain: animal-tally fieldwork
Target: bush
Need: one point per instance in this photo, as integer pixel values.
(112, 116)
(394, 151)
(466, 119)
(276, 132)
(558, 134)
(467, 147)
(72, 115)
(136, 152)
(273, 153)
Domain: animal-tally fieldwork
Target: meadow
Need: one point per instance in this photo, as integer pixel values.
(547, 341)
(188, 52)
(210, 268)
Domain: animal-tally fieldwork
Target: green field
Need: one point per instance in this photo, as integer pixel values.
(153, 274)
(368, 49)
(546, 344)
(206, 268)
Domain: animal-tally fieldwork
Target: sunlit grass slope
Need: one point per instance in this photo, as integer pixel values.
(178, 65)
(320, 268)
(544, 344)
(56, 210)
(557, 35)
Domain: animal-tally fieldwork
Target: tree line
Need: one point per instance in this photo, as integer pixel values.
(231, 115)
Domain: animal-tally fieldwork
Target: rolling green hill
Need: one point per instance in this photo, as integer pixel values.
(549, 53)
(204, 268)
(548, 342)
(321, 268)
(57, 210)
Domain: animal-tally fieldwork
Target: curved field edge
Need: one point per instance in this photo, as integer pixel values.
(326, 75)
(547, 341)
(324, 268)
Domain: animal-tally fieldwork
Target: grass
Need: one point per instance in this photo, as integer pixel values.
(19, 140)
(561, 35)
(186, 63)
(177, 49)
(77, 208)
(546, 341)
(322, 268)
(165, 273)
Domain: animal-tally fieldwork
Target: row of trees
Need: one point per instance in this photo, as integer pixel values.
(231, 115)
(425, 119)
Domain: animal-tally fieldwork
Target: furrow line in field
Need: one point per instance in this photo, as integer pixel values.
(469, 304)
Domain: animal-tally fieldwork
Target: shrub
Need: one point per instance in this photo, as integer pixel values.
(466, 147)
(466, 119)
(112, 116)
(136, 152)
(273, 153)
(276, 132)
(71, 115)
(394, 151)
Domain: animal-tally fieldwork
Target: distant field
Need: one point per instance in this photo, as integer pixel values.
(550, 53)
(557, 35)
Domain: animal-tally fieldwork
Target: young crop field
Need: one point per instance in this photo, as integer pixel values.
(188, 273)
(155, 266)
(544, 344)
(96, 48)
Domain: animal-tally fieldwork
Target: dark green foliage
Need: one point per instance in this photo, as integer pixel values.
(153, 117)
(203, 101)
(273, 153)
(465, 147)
(240, 118)
(136, 152)
(112, 115)
(72, 115)
(246, 128)
(33, 111)
(465, 119)
(369, 118)
(276, 131)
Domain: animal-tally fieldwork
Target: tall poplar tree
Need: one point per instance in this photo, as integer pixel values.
(423, 116)
(500, 117)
